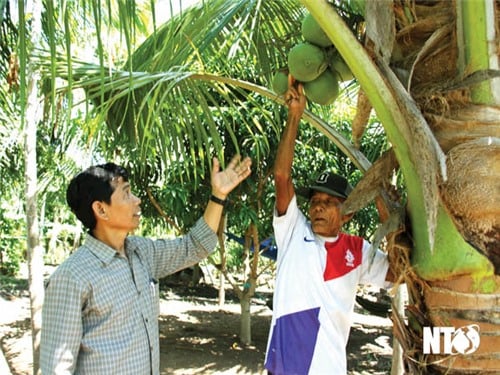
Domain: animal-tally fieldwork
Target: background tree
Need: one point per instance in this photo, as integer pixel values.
(30, 77)
(32, 139)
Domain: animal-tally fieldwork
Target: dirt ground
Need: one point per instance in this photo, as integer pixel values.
(199, 337)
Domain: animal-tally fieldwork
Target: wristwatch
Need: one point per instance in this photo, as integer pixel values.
(222, 202)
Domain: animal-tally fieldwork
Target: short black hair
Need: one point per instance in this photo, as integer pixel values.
(93, 184)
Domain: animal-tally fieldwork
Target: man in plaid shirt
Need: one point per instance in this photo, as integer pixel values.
(100, 314)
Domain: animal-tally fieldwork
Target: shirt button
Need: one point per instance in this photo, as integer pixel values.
(147, 320)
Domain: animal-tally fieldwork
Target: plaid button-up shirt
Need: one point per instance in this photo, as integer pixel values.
(100, 314)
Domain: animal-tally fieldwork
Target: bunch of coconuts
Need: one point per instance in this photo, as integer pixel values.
(316, 63)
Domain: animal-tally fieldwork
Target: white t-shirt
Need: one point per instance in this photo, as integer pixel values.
(314, 295)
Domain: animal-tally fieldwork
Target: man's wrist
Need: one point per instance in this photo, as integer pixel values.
(218, 200)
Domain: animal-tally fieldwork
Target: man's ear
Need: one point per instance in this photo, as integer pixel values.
(346, 218)
(99, 210)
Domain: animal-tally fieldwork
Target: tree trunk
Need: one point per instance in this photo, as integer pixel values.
(34, 250)
(222, 251)
(250, 273)
(437, 114)
(454, 303)
(222, 290)
(246, 318)
(397, 365)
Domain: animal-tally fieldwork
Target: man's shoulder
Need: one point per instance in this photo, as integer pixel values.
(139, 244)
(139, 240)
(76, 258)
(292, 214)
(72, 266)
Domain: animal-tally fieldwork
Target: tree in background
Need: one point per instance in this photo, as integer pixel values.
(33, 135)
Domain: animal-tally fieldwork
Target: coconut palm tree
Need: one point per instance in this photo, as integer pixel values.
(428, 68)
(429, 72)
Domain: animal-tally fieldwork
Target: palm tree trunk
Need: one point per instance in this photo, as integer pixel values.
(34, 250)
(449, 255)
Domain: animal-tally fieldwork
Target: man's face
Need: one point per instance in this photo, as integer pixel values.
(124, 212)
(325, 215)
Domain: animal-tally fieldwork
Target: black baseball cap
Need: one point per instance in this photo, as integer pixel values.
(330, 183)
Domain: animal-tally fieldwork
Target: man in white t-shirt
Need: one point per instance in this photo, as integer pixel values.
(318, 267)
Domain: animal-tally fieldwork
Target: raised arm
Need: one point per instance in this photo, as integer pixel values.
(223, 182)
(296, 102)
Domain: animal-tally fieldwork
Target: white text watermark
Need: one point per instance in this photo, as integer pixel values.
(463, 340)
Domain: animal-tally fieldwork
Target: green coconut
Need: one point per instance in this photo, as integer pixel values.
(306, 62)
(280, 82)
(313, 33)
(324, 89)
(338, 65)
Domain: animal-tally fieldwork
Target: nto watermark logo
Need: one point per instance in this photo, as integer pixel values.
(464, 340)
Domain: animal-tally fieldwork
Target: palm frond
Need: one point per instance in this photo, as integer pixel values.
(173, 99)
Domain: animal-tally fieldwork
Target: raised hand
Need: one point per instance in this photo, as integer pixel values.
(223, 182)
(294, 97)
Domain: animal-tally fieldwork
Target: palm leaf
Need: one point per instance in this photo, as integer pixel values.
(173, 97)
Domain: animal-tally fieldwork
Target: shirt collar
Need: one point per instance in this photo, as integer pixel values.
(102, 251)
(324, 239)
